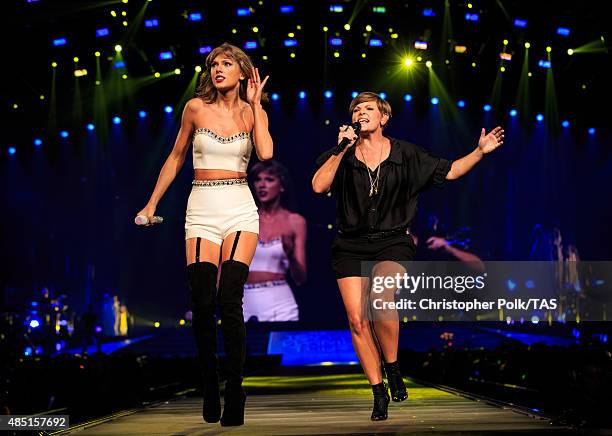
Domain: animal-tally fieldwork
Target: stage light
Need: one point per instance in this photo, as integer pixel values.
(59, 41)
(292, 55)
(505, 42)
(461, 103)
(255, 29)
(157, 75)
(347, 26)
(234, 31)
(250, 45)
(165, 55)
(168, 109)
(75, 59)
(592, 131)
(54, 64)
(156, 324)
(435, 100)
(119, 64)
(80, 73)
(275, 97)
(487, 107)
(407, 97)
(116, 120)
(375, 42)
(336, 9)
(565, 124)
(34, 323)
(469, 5)
(177, 71)
(336, 54)
(570, 51)
(195, 16)
(505, 56)
(42, 97)
(302, 95)
(335, 41)
(563, 31)
(38, 142)
(142, 114)
(124, 76)
(290, 42)
(152, 22)
(291, 34)
(90, 127)
(243, 12)
(113, 13)
(428, 12)
(471, 17)
(287, 9)
(460, 49)
(368, 28)
(383, 95)
(64, 134)
(12, 150)
(363, 55)
(394, 35)
(379, 9)
(97, 54)
(102, 32)
(354, 94)
(473, 64)
(502, 69)
(205, 49)
(428, 64)
(408, 62)
(527, 45)
(182, 322)
(328, 94)
(325, 28)
(520, 23)
(118, 48)
(420, 45)
(544, 64)
(513, 113)
(539, 118)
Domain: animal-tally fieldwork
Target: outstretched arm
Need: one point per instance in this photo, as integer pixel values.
(486, 144)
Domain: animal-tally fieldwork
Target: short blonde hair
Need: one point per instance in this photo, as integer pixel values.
(383, 105)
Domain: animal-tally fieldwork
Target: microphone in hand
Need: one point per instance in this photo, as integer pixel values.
(346, 141)
(142, 220)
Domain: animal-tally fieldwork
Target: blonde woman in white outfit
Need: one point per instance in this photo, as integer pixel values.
(281, 248)
(224, 121)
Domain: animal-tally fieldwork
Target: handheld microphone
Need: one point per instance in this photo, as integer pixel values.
(142, 220)
(346, 141)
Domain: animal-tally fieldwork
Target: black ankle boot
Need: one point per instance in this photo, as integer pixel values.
(396, 382)
(381, 402)
(231, 291)
(202, 278)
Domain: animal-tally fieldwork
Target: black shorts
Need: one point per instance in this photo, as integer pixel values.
(348, 252)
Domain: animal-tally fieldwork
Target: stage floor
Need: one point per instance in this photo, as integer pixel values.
(330, 404)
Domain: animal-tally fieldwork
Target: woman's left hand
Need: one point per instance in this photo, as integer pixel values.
(488, 143)
(255, 87)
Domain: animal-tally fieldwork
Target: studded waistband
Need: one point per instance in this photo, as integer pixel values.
(220, 182)
(267, 284)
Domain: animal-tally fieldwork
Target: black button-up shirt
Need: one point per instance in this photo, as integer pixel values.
(407, 172)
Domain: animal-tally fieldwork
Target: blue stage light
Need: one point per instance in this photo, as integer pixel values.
(250, 45)
(34, 323)
(289, 9)
(152, 22)
(195, 16)
(116, 120)
(354, 94)
(563, 31)
(102, 32)
(290, 42)
(38, 142)
(539, 118)
(408, 97)
(275, 96)
(165, 55)
(383, 95)
(59, 41)
(544, 64)
(335, 41)
(168, 109)
(565, 124)
(28, 351)
(375, 42)
(461, 103)
(513, 113)
(471, 17)
(302, 94)
(243, 12)
(12, 150)
(428, 12)
(64, 134)
(142, 114)
(90, 127)
(520, 23)
(205, 49)
(328, 94)
(119, 64)
(592, 131)
(487, 107)
(435, 100)
(336, 8)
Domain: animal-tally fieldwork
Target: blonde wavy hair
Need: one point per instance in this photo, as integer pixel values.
(207, 91)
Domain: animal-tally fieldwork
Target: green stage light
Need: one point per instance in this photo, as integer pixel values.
(118, 48)
(97, 54)
(177, 71)
(198, 69)
(527, 45)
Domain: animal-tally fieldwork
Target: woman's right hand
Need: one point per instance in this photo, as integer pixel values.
(347, 132)
(149, 212)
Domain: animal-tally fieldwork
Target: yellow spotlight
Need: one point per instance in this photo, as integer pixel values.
(502, 69)
(336, 54)
(447, 62)
(460, 49)
(113, 13)
(97, 83)
(363, 55)
(182, 322)
(291, 34)
(264, 57)
(80, 73)
(15, 106)
(419, 58)
(198, 69)
(42, 97)
(234, 31)
(325, 28)
(124, 13)
(298, 27)
(292, 55)
(548, 49)
(177, 71)
(394, 36)
(118, 48)
(570, 51)
(255, 29)
(75, 59)
(54, 64)
(125, 23)
(124, 1)
(473, 64)
(124, 77)
(390, 29)
(157, 75)
(156, 324)
(97, 54)
(527, 45)
(408, 62)
(368, 28)
(347, 26)
(469, 5)
(428, 64)
(529, 74)
(505, 42)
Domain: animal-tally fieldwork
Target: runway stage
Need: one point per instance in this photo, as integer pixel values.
(330, 404)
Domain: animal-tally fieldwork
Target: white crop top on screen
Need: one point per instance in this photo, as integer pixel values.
(214, 152)
(270, 257)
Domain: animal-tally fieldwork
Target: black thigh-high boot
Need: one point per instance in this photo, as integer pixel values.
(396, 381)
(202, 277)
(231, 291)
